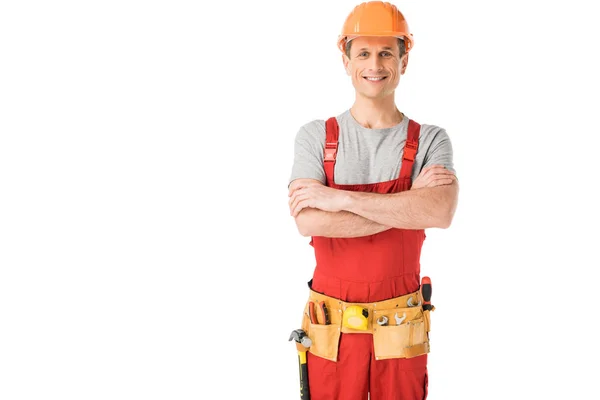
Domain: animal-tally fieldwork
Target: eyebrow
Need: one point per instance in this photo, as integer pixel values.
(383, 48)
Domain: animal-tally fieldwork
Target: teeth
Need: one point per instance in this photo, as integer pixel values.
(374, 79)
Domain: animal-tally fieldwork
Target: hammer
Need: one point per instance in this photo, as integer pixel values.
(303, 342)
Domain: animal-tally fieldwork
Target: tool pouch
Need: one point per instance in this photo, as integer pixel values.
(407, 339)
(325, 338)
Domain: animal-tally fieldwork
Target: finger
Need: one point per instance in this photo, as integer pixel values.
(301, 186)
(299, 207)
(429, 167)
(440, 174)
(297, 192)
(445, 181)
(440, 182)
(432, 166)
(305, 185)
(295, 188)
(436, 174)
(435, 169)
(443, 175)
(293, 203)
(293, 200)
(426, 173)
(297, 200)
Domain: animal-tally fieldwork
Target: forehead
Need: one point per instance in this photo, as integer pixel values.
(378, 42)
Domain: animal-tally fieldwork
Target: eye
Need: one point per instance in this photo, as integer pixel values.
(386, 54)
(363, 54)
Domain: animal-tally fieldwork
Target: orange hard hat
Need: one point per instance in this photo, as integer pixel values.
(375, 18)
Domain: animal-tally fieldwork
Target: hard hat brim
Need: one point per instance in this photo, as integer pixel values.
(407, 38)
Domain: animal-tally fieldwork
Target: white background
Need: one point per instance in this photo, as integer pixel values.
(146, 247)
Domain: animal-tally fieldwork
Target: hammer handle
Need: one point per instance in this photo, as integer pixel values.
(304, 393)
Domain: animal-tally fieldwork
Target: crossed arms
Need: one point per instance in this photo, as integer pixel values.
(323, 211)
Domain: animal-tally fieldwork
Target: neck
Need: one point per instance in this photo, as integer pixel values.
(376, 113)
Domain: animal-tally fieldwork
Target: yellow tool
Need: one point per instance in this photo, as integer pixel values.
(356, 317)
(303, 342)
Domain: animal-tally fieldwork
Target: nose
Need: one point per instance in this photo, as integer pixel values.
(375, 63)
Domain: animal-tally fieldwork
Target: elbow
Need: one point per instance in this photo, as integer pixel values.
(447, 211)
(303, 230)
(304, 224)
(445, 220)
(444, 223)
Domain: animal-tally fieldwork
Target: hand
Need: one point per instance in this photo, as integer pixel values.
(432, 176)
(316, 196)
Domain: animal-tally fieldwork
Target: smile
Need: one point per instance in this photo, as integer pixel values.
(374, 78)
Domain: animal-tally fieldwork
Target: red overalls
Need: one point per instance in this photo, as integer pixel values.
(368, 269)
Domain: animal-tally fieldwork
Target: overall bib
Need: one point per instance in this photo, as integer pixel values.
(365, 270)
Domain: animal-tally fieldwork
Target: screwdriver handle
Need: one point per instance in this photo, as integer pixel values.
(426, 292)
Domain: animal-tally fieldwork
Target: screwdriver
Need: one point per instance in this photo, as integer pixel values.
(426, 292)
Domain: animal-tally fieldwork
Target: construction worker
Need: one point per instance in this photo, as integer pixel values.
(365, 185)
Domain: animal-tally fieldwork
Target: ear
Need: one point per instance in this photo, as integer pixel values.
(404, 63)
(346, 62)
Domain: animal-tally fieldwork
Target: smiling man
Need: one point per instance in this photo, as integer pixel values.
(365, 185)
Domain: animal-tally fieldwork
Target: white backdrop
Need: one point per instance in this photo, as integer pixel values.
(146, 247)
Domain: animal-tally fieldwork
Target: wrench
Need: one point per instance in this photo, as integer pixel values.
(399, 320)
(411, 304)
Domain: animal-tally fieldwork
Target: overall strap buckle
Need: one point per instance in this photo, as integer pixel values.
(330, 151)
(410, 150)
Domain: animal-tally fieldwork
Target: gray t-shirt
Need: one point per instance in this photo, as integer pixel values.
(367, 155)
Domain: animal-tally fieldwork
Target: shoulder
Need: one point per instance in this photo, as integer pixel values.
(430, 132)
(313, 128)
(312, 131)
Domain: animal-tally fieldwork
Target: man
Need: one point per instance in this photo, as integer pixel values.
(365, 185)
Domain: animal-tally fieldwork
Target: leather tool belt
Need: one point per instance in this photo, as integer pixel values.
(405, 335)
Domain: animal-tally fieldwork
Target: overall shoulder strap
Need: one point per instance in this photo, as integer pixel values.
(332, 132)
(410, 149)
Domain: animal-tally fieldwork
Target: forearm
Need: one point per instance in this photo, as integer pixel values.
(342, 224)
(411, 209)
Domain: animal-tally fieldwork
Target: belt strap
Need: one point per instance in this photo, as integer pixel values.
(416, 350)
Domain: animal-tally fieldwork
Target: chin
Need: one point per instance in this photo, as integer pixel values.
(377, 95)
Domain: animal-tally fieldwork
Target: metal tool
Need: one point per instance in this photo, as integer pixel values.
(399, 320)
(382, 321)
(303, 342)
(411, 304)
(311, 313)
(324, 313)
(301, 337)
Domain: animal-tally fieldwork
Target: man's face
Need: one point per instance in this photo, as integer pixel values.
(375, 65)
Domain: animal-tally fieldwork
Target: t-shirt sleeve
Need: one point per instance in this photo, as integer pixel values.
(308, 152)
(440, 151)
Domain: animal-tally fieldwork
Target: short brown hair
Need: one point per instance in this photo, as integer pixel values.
(401, 46)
